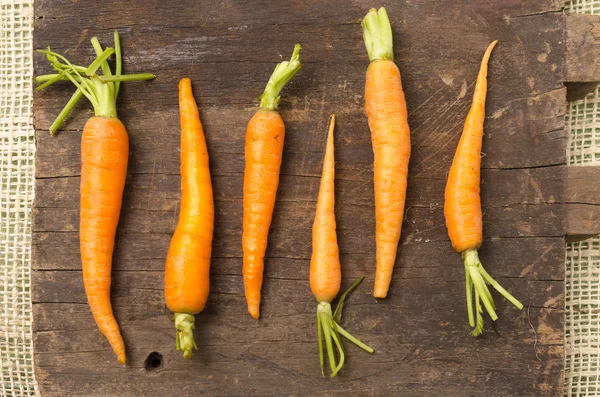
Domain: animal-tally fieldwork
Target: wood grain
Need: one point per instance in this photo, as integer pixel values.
(228, 49)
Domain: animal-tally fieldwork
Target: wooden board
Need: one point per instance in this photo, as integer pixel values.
(420, 332)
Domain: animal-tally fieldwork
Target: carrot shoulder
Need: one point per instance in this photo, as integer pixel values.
(187, 267)
(104, 155)
(264, 148)
(462, 206)
(325, 268)
(390, 134)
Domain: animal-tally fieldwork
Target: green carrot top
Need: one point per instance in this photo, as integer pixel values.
(377, 34)
(100, 90)
(282, 75)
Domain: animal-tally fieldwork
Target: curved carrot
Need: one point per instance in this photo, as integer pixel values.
(325, 269)
(104, 154)
(188, 261)
(462, 206)
(264, 148)
(388, 121)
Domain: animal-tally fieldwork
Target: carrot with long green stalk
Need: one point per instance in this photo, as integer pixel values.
(104, 155)
(325, 268)
(188, 261)
(390, 134)
(264, 148)
(462, 206)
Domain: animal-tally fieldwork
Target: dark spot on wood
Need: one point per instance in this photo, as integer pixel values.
(154, 362)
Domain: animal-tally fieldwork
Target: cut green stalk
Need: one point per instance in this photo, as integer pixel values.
(118, 62)
(125, 77)
(100, 61)
(478, 279)
(65, 111)
(184, 338)
(377, 34)
(328, 328)
(321, 359)
(50, 81)
(45, 77)
(282, 74)
(101, 91)
(337, 315)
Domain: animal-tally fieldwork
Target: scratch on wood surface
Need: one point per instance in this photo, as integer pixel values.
(538, 191)
(535, 340)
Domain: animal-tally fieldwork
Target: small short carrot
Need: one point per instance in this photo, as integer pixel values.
(325, 268)
(104, 156)
(462, 207)
(388, 120)
(188, 260)
(264, 148)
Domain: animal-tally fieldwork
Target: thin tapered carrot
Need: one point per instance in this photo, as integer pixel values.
(390, 134)
(104, 156)
(325, 268)
(188, 261)
(264, 148)
(462, 207)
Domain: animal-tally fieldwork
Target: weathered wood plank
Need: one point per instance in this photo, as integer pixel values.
(583, 48)
(420, 332)
(582, 196)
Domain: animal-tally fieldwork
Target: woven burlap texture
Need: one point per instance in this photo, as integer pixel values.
(16, 194)
(582, 269)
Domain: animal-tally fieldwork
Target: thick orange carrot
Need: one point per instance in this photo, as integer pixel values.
(188, 261)
(462, 207)
(388, 120)
(264, 148)
(104, 154)
(325, 269)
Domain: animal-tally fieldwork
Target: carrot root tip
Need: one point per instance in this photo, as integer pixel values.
(254, 311)
(122, 359)
(184, 324)
(477, 281)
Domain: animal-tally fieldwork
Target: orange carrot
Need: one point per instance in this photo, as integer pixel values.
(188, 261)
(264, 149)
(462, 207)
(388, 120)
(104, 154)
(325, 269)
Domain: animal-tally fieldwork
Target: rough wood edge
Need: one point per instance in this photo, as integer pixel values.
(582, 72)
(582, 202)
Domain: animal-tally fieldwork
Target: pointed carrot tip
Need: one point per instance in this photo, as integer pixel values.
(254, 312)
(122, 359)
